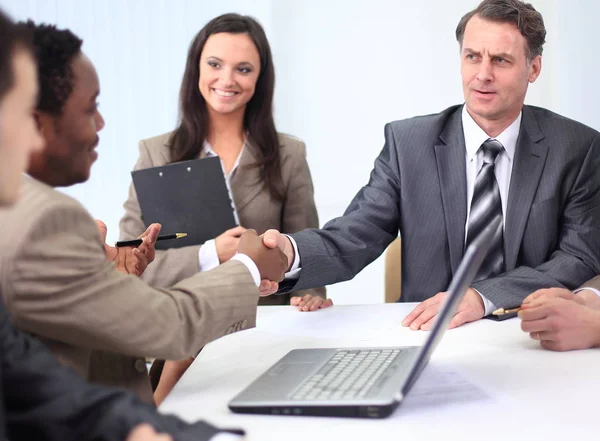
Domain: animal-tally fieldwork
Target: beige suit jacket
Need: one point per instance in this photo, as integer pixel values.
(255, 206)
(58, 285)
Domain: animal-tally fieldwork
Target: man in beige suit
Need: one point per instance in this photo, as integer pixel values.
(563, 320)
(54, 275)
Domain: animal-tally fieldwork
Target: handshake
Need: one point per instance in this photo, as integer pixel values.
(272, 253)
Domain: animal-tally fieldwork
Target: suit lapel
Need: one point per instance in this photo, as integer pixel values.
(529, 161)
(451, 167)
(246, 182)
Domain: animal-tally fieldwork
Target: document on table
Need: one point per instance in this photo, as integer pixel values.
(441, 386)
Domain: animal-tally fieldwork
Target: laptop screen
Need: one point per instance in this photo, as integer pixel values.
(458, 286)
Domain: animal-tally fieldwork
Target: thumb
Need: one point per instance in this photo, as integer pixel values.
(271, 238)
(251, 232)
(236, 231)
(102, 229)
(152, 233)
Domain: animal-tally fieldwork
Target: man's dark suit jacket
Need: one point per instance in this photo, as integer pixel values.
(42, 400)
(418, 188)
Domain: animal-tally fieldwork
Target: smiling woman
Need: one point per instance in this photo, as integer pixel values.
(226, 110)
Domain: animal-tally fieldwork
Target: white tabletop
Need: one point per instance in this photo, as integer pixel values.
(485, 381)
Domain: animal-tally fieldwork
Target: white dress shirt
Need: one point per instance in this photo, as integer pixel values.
(475, 136)
(227, 437)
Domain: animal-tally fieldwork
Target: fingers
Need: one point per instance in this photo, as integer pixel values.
(419, 309)
(543, 336)
(267, 287)
(549, 293)
(553, 346)
(102, 229)
(271, 238)
(236, 231)
(534, 311)
(327, 303)
(145, 432)
(460, 318)
(535, 325)
(428, 324)
(310, 303)
(427, 314)
(251, 232)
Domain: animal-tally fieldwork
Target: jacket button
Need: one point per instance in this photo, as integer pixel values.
(140, 365)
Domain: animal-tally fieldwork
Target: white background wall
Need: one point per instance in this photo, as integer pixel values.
(344, 68)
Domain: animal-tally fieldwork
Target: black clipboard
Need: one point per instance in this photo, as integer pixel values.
(185, 197)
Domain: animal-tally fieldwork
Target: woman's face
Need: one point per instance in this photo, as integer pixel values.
(229, 69)
(19, 136)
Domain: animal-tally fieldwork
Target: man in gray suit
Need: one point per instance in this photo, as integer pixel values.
(441, 178)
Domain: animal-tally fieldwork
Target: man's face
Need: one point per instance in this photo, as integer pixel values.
(495, 71)
(71, 137)
(19, 136)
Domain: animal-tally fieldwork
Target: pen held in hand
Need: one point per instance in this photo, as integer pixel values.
(502, 311)
(138, 242)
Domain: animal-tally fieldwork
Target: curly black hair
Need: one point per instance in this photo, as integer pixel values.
(54, 50)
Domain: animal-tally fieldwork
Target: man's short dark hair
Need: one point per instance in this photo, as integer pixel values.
(12, 38)
(54, 50)
(523, 15)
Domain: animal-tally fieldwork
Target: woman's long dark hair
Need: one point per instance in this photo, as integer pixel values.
(187, 140)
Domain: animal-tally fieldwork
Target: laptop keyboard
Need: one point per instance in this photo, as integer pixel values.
(348, 374)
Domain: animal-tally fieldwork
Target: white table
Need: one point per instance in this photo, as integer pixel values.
(518, 390)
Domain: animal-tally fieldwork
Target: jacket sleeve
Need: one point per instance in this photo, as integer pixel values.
(46, 401)
(60, 285)
(577, 255)
(299, 209)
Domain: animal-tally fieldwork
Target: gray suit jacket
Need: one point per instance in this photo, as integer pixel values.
(255, 206)
(418, 187)
(58, 285)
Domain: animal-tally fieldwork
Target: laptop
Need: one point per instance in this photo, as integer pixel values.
(356, 382)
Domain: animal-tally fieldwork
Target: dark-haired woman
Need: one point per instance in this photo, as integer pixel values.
(226, 111)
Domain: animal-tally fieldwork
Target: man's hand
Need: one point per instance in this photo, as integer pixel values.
(585, 297)
(145, 432)
(273, 238)
(227, 243)
(560, 320)
(310, 302)
(271, 262)
(470, 309)
(131, 260)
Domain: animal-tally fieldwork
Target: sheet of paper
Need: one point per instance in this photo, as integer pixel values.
(443, 387)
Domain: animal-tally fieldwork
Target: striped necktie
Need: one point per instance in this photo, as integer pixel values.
(486, 207)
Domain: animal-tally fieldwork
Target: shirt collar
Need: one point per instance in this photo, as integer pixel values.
(209, 152)
(475, 136)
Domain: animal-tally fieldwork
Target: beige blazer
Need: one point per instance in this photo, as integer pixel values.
(58, 285)
(255, 206)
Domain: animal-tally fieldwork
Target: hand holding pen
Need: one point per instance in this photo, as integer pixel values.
(132, 260)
